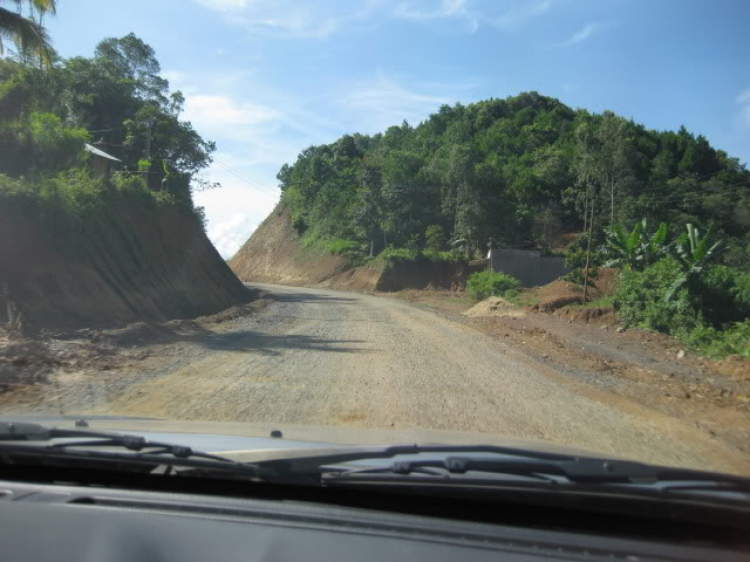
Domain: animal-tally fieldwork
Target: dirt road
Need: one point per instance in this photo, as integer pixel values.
(332, 358)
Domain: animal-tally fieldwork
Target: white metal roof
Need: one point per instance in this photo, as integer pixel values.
(94, 150)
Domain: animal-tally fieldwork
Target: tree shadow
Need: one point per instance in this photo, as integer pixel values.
(270, 344)
(309, 297)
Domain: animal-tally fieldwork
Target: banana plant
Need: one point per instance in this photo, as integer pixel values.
(636, 249)
(693, 253)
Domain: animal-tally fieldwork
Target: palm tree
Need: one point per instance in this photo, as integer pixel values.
(28, 35)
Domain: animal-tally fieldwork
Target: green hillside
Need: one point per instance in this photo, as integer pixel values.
(521, 170)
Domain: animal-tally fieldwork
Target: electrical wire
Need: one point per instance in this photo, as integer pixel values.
(247, 178)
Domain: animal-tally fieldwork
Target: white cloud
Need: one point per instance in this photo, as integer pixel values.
(235, 209)
(383, 102)
(211, 112)
(743, 100)
(586, 32)
(516, 17)
(229, 236)
(291, 18)
(224, 5)
(445, 9)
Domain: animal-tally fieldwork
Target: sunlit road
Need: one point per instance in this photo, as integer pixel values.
(332, 358)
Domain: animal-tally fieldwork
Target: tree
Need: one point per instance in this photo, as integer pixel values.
(29, 36)
(435, 238)
(516, 170)
(607, 158)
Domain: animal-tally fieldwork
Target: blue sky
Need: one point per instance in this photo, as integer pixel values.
(265, 79)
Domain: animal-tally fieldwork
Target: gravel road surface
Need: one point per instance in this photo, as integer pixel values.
(332, 358)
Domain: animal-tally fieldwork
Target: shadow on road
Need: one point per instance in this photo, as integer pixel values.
(309, 297)
(246, 341)
(266, 344)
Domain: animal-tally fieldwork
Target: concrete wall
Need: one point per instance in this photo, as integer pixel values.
(528, 266)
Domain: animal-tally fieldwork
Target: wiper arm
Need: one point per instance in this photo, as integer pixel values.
(16, 432)
(533, 464)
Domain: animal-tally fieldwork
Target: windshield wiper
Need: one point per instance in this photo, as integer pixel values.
(550, 467)
(31, 432)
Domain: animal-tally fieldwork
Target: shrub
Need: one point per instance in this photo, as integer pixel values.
(435, 238)
(399, 255)
(725, 294)
(734, 340)
(342, 247)
(641, 301)
(490, 283)
(53, 146)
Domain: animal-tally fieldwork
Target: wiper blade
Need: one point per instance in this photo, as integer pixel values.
(518, 462)
(16, 432)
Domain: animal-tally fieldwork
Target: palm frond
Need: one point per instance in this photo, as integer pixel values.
(29, 36)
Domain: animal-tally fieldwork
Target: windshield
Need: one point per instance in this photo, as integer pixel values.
(461, 222)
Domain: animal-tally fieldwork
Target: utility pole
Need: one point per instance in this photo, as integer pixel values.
(588, 254)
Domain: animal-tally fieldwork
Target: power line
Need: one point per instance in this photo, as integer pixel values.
(248, 179)
(240, 177)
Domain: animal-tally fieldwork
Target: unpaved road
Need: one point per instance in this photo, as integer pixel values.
(331, 358)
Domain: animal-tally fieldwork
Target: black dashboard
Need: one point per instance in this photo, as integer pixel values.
(53, 522)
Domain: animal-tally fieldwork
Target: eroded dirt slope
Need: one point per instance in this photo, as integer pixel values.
(133, 266)
(273, 254)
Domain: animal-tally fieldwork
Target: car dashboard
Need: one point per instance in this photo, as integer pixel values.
(40, 522)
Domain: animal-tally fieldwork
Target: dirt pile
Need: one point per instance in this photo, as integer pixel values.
(132, 266)
(495, 306)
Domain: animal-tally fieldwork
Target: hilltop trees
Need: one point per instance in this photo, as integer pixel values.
(519, 170)
(116, 100)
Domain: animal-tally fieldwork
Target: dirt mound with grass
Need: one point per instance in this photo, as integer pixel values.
(495, 306)
(132, 264)
(561, 293)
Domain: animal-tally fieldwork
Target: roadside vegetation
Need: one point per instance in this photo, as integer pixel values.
(666, 209)
(678, 288)
(117, 101)
(484, 284)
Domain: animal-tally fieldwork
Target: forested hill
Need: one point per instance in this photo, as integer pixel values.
(520, 170)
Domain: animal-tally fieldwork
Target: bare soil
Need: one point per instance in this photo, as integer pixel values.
(588, 345)
(322, 357)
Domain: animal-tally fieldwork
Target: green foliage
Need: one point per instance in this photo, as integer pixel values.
(641, 301)
(340, 247)
(29, 36)
(517, 170)
(692, 252)
(732, 340)
(485, 284)
(637, 249)
(711, 315)
(575, 260)
(435, 238)
(725, 294)
(399, 255)
(120, 94)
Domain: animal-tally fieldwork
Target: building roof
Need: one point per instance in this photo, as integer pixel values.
(97, 152)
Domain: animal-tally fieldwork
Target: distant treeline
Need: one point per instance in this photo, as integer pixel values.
(521, 171)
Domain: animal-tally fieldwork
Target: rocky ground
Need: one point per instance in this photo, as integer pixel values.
(311, 356)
